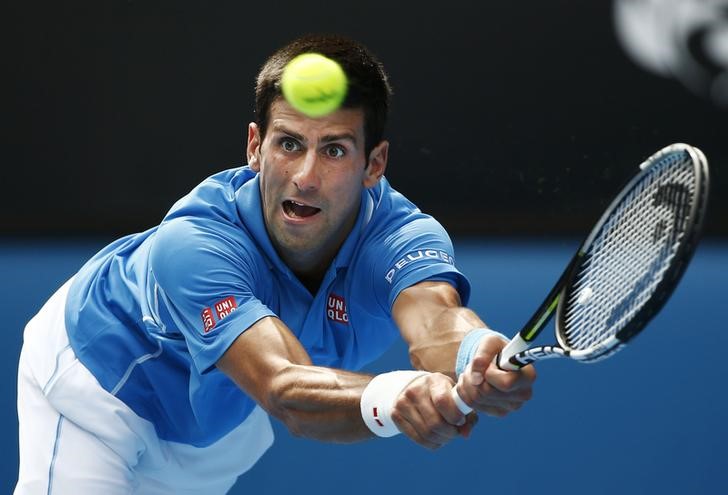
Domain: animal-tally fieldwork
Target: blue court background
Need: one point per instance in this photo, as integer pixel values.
(649, 420)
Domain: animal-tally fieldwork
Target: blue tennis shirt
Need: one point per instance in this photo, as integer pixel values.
(152, 313)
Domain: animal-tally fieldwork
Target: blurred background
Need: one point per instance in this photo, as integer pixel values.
(513, 123)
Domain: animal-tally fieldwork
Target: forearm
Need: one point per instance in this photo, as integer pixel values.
(433, 323)
(329, 404)
(437, 352)
(320, 403)
(270, 365)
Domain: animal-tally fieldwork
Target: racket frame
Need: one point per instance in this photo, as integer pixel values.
(517, 354)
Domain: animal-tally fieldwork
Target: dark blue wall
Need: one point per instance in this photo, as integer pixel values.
(650, 420)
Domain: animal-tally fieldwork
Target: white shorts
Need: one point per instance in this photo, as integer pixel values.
(76, 438)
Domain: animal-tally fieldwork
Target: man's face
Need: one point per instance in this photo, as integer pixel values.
(312, 172)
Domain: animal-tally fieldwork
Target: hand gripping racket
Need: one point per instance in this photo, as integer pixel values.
(626, 268)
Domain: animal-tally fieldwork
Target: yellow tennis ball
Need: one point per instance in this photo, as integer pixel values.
(313, 84)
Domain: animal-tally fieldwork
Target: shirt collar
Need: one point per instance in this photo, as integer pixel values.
(346, 252)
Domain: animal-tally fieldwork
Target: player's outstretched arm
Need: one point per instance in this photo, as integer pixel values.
(269, 363)
(434, 323)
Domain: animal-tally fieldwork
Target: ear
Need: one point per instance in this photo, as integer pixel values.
(253, 148)
(376, 165)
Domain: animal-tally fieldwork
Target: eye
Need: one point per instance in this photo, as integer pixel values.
(335, 151)
(289, 144)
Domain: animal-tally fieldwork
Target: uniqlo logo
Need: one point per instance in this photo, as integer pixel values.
(336, 309)
(208, 322)
(225, 307)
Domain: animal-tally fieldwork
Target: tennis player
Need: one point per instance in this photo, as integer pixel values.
(154, 369)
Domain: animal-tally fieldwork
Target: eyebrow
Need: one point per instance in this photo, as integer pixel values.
(345, 136)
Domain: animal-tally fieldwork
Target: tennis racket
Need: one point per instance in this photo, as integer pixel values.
(626, 268)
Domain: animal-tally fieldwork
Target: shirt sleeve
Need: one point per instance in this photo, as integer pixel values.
(212, 281)
(414, 252)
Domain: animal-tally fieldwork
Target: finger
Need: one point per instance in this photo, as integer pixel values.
(496, 392)
(509, 381)
(488, 397)
(483, 395)
(495, 411)
(473, 386)
(469, 384)
(420, 432)
(438, 426)
(409, 422)
(444, 404)
(487, 351)
(463, 406)
(411, 432)
(475, 376)
(420, 412)
(507, 405)
(467, 428)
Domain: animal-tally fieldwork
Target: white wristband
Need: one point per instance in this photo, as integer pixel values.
(378, 399)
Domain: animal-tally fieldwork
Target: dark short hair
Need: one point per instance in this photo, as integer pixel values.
(369, 87)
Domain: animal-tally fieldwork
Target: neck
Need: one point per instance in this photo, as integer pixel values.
(310, 266)
(311, 282)
(310, 270)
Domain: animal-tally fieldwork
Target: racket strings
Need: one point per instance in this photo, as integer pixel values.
(630, 254)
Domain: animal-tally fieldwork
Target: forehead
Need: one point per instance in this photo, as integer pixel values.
(345, 121)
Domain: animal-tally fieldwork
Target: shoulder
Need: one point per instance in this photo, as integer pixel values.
(396, 221)
(402, 246)
(203, 231)
(214, 197)
(208, 215)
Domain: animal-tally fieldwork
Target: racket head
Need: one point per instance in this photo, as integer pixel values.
(633, 259)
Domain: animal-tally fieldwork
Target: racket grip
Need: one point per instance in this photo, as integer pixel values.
(464, 408)
(516, 345)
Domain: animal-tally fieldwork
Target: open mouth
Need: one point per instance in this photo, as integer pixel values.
(298, 210)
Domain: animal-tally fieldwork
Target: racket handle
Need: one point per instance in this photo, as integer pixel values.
(464, 408)
(516, 345)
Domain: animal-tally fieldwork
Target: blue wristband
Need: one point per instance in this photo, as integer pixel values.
(469, 346)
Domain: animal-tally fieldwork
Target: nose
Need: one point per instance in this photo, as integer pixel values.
(306, 176)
